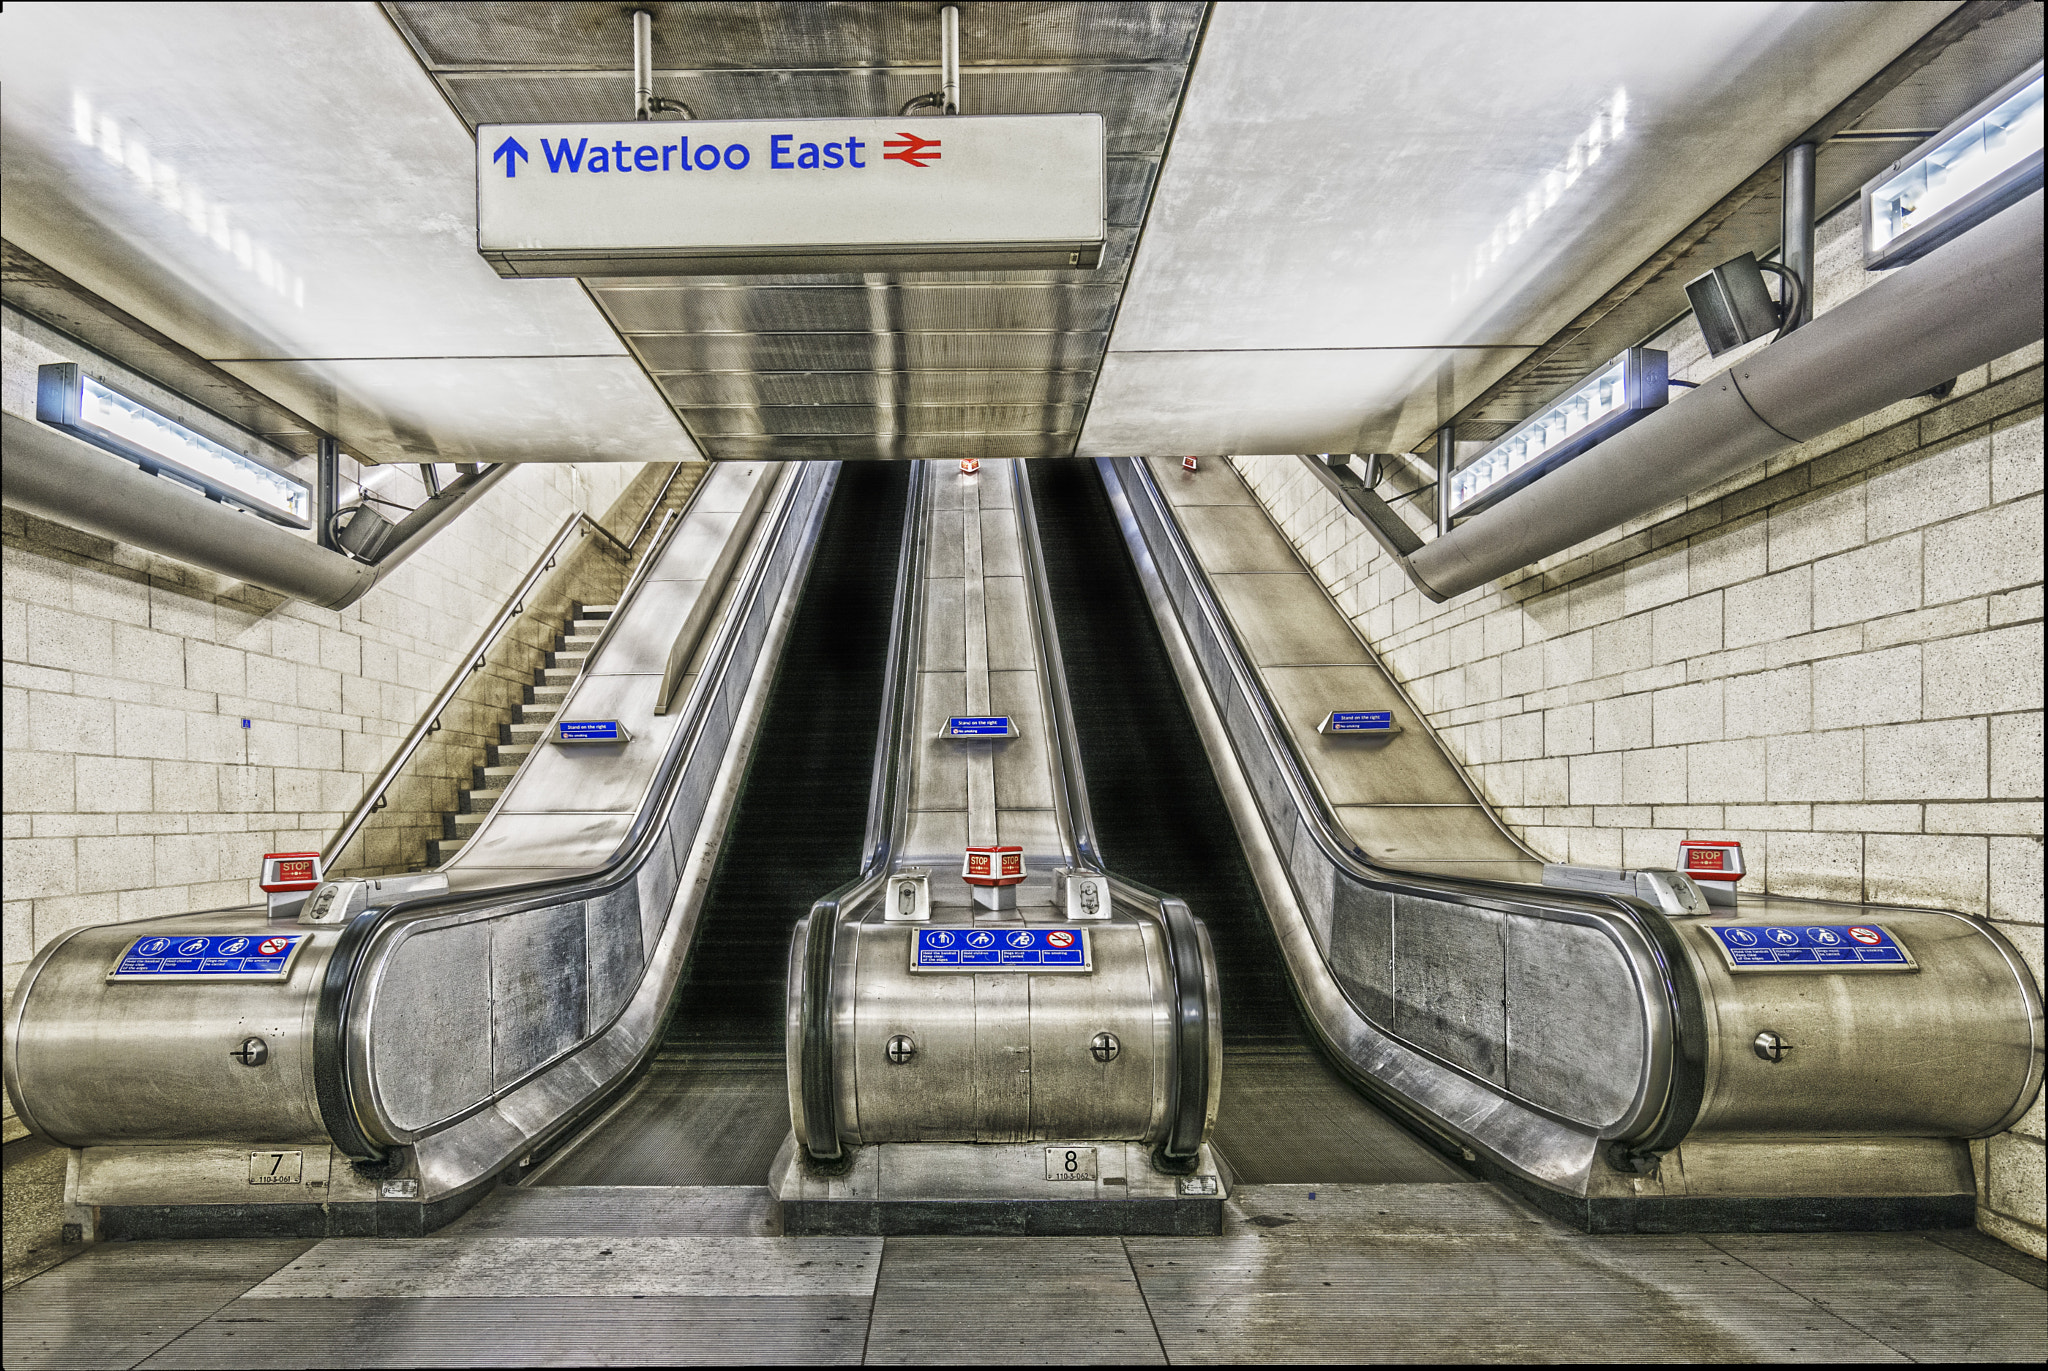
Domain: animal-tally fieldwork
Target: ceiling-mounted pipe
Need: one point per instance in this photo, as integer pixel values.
(1966, 303)
(59, 477)
(646, 104)
(946, 99)
(1796, 237)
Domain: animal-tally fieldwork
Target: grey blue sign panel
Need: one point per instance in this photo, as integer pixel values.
(1810, 947)
(1000, 949)
(980, 726)
(209, 957)
(590, 731)
(1359, 721)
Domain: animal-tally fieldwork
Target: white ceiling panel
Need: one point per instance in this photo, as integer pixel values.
(283, 190)
(1317, 400)
(1421, 176)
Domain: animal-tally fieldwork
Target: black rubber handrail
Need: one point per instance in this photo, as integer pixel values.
(895, 733)
(334, 1087)
(1685, 1087)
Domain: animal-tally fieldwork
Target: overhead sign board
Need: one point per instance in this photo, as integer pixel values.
(1000, 948)
(732, 197)
(1810, 947)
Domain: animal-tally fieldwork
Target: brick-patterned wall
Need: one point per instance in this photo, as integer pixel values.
(131, 786)
(1835, 657)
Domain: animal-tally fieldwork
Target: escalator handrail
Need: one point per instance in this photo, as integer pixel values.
(815, 1070)
(339, 1032)
(1070, 778)
(1675, 1034)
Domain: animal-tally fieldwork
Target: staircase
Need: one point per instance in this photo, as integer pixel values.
(551, 683)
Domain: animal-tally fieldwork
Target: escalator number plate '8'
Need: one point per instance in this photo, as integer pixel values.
(1000, 949)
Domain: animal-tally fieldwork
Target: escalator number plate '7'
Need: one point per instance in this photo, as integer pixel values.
(999, 948)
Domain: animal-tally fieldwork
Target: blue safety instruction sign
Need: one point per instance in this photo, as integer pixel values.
(590, 731)
(1360, 721)
(209, 957)
(1000, 949)
(1810, 947)
(980, 726)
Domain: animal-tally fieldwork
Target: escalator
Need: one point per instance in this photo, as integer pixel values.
(713, 1105)
(1161, 819)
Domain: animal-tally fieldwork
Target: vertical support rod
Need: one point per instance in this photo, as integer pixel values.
(643, 65)
(1446, 455)
(326, 490)
(949, 59)
(1797, 252)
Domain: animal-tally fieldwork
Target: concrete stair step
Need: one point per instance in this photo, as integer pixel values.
(439, 850)
(480, 801)
(578, 642)
(528, 734)
(495, 777)
(539, 713)
(552, 676)
(463, 826)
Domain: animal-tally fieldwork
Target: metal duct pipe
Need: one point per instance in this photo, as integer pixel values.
(59, 477)
(1964, 304)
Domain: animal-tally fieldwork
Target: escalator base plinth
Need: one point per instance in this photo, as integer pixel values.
(997, 1189)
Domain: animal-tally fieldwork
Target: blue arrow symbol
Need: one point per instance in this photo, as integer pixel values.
(513, 155)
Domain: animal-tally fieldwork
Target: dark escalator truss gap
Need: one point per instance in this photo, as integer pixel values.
(802, 811)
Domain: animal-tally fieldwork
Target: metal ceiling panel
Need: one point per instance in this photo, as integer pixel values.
(740, 309)
(887, 352)
(748, 389)
(758, 36)
(827, 421)
(877, 365)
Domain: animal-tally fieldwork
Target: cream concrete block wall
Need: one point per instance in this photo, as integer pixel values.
(1835, 657)
(132, 786)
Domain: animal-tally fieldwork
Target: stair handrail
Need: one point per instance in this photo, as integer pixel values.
(473, 662)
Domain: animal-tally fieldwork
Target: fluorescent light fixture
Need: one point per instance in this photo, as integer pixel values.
(1597, 408)
(68, 399)
(1983, 162)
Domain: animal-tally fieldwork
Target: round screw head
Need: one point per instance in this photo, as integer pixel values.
(1770, 1047)
(902, 1047)
(1105, 1047)
(251, 1052)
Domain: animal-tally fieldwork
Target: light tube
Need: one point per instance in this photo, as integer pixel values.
(68, 399)
(1977, 166)
(1598, 407)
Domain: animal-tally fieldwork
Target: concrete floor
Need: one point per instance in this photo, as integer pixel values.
(659, 1275)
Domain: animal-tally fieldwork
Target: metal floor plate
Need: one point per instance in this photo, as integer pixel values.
(656, 1276)
(1287, 1116)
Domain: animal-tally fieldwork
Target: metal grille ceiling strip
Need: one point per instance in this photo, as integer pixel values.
(918, 365)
